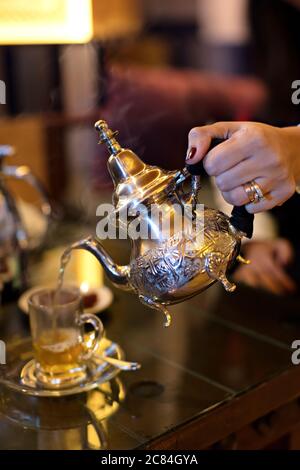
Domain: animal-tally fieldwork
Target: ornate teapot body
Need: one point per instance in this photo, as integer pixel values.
(14, 241)
(172, 261)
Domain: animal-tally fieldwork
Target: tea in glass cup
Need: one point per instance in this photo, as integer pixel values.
(56, 322)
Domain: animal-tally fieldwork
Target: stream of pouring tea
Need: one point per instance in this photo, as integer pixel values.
(66, 256)
(63, 264)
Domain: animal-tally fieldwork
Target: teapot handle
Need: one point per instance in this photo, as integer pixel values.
(240, 217)
(23, 173)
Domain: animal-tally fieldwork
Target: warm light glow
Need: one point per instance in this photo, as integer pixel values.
(87, 269)
(45, 21)
(116, 18)
(83, 268)
(84, 287)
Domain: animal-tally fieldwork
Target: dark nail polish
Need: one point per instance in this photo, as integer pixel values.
(191, 153)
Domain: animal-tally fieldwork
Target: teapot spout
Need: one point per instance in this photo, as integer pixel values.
(118, 275)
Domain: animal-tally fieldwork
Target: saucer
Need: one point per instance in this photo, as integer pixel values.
(19, 372)
(104, 298)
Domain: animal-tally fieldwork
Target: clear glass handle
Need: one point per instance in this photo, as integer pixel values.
(99, 330)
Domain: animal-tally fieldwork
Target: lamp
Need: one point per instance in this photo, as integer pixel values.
(66, 21)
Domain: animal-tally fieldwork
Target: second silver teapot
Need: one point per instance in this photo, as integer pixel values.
(14, 240)
(174, 264)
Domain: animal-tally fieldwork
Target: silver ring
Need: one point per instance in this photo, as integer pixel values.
(258, 191)
(254, 192)
(251, 193)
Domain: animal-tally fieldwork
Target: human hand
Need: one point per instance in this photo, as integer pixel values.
(267, 267)
(257, 152)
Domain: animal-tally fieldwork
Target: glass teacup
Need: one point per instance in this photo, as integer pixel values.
(57, 328)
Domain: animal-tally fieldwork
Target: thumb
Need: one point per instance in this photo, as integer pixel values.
(200, 138)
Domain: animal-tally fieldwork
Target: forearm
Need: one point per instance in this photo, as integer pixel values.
(292, 140)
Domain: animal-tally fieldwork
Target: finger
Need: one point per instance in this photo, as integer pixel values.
(238, 195)
(262, 206)
(235, 150)
(256, 277)
(200, 138)
(281, 278)
(246, 275)
(244, 172)
(223, 157)
(272, 199)
(267, 281)
(283, 251)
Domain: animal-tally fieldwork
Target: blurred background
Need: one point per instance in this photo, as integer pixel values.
(153, 69)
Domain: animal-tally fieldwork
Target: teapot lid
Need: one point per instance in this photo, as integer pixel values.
(134, 181)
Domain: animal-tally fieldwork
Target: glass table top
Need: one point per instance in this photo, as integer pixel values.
(218, 346)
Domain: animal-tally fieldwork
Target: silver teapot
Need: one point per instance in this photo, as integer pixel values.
(174, 264)
(14, 240)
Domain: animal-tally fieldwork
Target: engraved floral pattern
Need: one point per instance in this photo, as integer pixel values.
(173, 264)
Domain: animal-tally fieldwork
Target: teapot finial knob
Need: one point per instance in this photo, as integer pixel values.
(108, 137)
